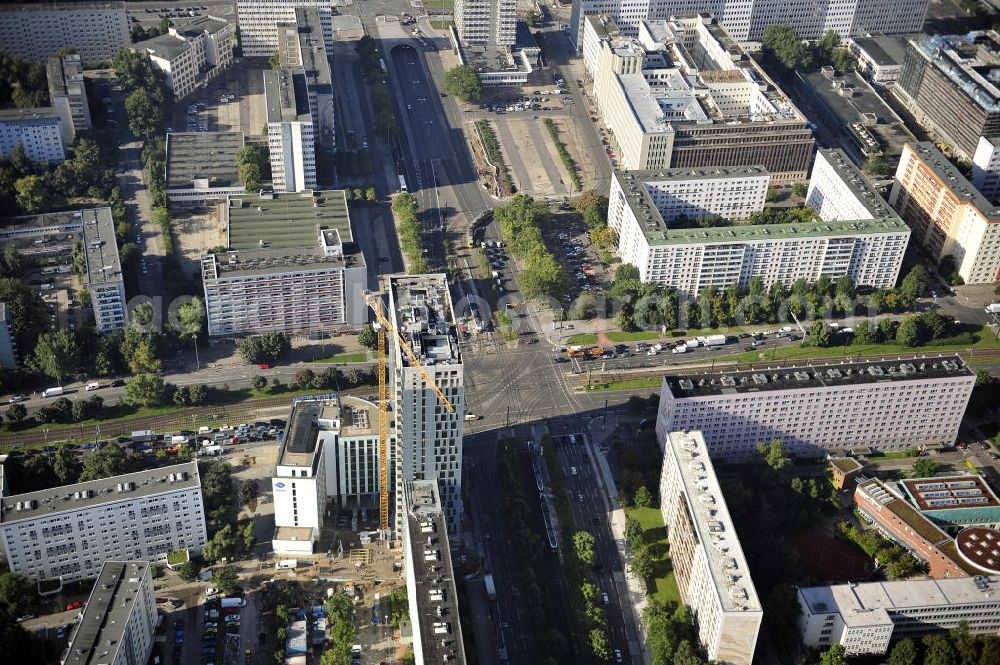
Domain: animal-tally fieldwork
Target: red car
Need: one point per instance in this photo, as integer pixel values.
(263, 366)
(75, 605)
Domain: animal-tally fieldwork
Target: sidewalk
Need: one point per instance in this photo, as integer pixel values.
(598, 431)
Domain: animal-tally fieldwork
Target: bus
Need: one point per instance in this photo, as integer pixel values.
(402, 183)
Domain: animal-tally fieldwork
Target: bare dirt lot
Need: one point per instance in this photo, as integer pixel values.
(197, 229)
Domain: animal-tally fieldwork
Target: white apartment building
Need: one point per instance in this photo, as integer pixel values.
(684, 95)
(628, 14)
(712, 574)
(986, 167)
(38, 131)
(105, 279)
(192, 54)
(746, 20)
(329, 455)
(865, 617)
(868, 249)
(118, 622)
(259, 21)
(292, 266)
(486, 23)
(290, 130)
(880, 58)
(303, 48)
(428, 436)
(69, 532)
(96, 30)
(68, 95)
(838, 190)
(888, 405)
(948, 216)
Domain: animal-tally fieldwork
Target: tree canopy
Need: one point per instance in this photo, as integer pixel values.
(462, 82)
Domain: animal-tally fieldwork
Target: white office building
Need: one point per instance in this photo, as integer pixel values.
(428, 435)
(192, 54)
(746, 20)
(986, 167)
(712, 574)
(887, 405)
(628, 14)
(96, 30)
(291, 134)
(486, 23)
(303, 48)
(118, 622)
(645, 206)
(292, 266)
(863, 618)
(69, 532)
(328, 459)
(682, 94)
(259, 21)
(68, 95)
(37, 130)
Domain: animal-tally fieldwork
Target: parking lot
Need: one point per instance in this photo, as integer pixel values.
(233, 101)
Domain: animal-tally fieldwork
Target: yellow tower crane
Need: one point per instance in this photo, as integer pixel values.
(383, 325)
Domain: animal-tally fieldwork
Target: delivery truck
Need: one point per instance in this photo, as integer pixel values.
(712, 340)
(143, 436)
(287, 564)
(993, 308)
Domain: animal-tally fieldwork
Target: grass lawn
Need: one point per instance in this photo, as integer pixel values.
(630, 384)
(444, 5)
(899, 454)
(346, 358)
(441, 24)
(661, 585)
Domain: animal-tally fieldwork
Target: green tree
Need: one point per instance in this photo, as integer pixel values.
(339, 607)
(111, 460)
(599, 645)
(583, 545)
(258, 383)
(938, 650)
(800, 189)
(33, 195)
(462, 82)
(910, 332)
(66, 466)
(145, 113)
(864, 333)
(643, 499)
(146, 390)
(774, 454)
(923, 467)
(225, 579)
(371, 194)
(819, 334)
(368, 338)
(189, 570)
(915, 284)
(56, 354)
(835, 655)
(16, 594)
(965, 644)
(904, 653)
(642, 561)
(781, 44)
(15, 413)
(274, 61)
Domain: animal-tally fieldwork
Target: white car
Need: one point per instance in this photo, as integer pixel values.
(211, 591)
(618, 655)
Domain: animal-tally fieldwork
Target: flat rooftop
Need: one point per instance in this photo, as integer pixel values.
(949, 492)
(952, 178)
(855, 180)
(657, 231)
(126, 487)
(29, 226)
(713, 526)
(27, 115)
(311, 52)
(60, 6)
(862, 106)
(100, 246)
(882, 50)
(812, 376)
(970, 61)
(430, 556)
(282, 221)
(423, 315)
(165, 46)
(111, 602)
(856, 602)
(208, 155)
(286, 98)
(350, 416)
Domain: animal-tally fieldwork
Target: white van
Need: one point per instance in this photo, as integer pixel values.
(53, 392)
(93, 385)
